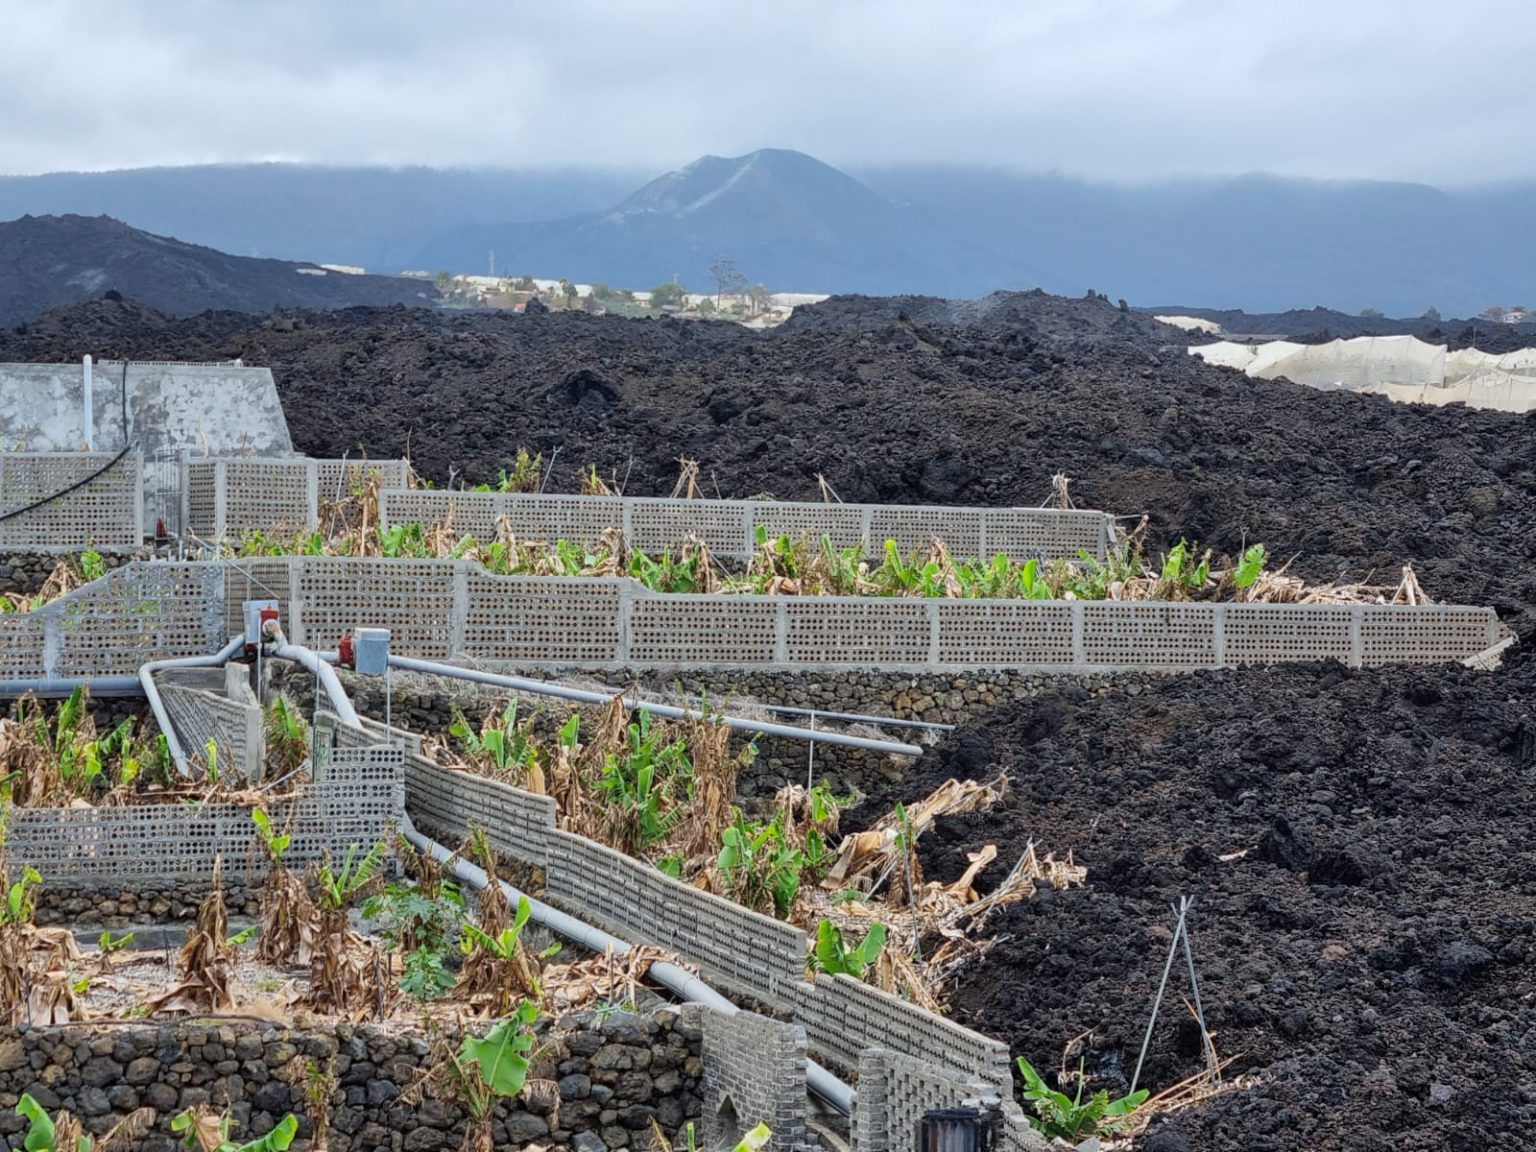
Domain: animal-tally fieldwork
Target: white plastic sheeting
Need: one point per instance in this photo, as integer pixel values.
(1399, 367)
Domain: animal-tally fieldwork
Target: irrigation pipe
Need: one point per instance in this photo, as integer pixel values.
(676, 979)
(157, 706)
(316, 663)
(671, 711)
(52, 687)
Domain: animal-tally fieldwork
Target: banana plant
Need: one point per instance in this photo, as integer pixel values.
(20, 898)
(1250, 567)
(339, 886)
(209, 1132)
(833, 955)
(275, 842)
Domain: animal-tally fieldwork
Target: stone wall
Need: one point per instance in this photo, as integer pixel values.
(609, 1077)
(116, 908)
(25, 573)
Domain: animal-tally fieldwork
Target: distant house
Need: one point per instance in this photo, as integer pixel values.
(1516, 316)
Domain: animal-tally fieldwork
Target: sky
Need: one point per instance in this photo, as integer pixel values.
(1105, 89)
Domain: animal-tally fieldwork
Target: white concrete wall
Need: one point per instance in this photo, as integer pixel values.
(221, 409)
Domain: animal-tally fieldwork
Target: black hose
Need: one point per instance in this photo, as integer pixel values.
(107, 467)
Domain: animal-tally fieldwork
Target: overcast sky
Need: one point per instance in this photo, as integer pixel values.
(1389, 89)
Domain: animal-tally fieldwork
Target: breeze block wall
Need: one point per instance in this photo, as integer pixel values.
(225, 497)
(107, 513)
(356, 798)
(896, 1090)
(729, 528)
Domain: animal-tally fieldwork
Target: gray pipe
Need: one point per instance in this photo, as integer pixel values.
(157, 706)
(674, 978)
(582, 696)
(315, 662)
(53, 687)
(855, 717)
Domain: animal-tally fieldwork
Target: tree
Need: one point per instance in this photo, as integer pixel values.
(758, 295)
(706, 307)
(603, 292)
(1431, 313)
(526, 284)
(727, 280)
(443, 280)
(1371, 313)
(667, 296)
(1493, 313)
(568, 290)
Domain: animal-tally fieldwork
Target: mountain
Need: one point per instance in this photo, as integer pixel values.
(48, 261)
(377, 218)
(786, 219)
(1261, 243)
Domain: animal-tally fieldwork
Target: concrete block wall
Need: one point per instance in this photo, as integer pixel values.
(741, 952)
(729, 527)
(107, 513)
(454, 610)
(357, 798)
(225, 497)
(234, 725)
(139, 612)
(895, 1090)
(754, 1072)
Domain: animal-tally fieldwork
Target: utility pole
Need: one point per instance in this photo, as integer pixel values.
(493, 263)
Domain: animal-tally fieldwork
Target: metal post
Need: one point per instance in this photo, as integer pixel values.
(88, 407)
(1185, 903)
(1162, 987)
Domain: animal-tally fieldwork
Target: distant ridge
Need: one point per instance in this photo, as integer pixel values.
(48, 261)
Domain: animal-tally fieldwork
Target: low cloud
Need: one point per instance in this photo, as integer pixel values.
(1111, 89)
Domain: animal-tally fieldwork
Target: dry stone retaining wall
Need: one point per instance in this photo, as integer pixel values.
(612, 1076)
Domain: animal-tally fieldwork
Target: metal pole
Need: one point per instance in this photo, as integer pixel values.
(810, 758)
(1187, 902)
(671, 711)
(88, 407)
(1158, 1003)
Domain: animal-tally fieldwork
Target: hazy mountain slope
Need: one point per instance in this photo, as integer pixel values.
(47, 261)
(375, 217)
(1261, 243)
(786, 219)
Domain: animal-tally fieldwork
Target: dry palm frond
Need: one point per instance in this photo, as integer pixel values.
(1409, 591)
(797, 814)
(593, 484)
(715, 772)
(606, 979)
(869, 855)
(1060, 496)
(340, 969)
(129, 1128)
(204, 962)
(687, 485)
(288, 919)
(28, 759)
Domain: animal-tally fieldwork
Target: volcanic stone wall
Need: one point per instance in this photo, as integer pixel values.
(25, 573)
(608, 1077)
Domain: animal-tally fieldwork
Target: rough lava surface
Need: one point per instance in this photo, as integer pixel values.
(1358, 844)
